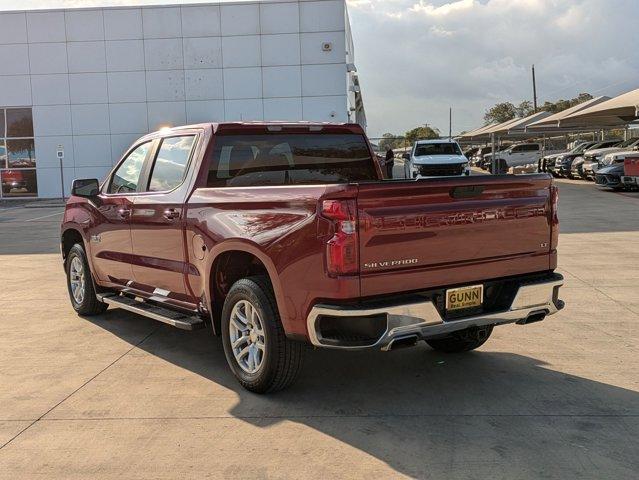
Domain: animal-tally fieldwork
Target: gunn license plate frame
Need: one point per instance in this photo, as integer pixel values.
(464, 298)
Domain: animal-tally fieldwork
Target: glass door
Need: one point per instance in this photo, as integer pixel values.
(17, 153)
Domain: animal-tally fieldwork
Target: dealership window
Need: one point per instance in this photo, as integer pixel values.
(17, 153)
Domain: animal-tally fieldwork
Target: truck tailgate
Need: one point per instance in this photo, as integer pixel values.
(437, 232)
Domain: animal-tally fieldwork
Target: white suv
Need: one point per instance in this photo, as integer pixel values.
(519, 155)
(435, 158)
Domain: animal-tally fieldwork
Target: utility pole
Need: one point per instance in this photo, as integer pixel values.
(534, 89)
(450, 123)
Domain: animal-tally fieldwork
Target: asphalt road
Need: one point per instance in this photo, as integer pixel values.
(122, 397)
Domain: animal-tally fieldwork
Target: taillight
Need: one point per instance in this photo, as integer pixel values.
(554, 196)
(342, 249)
(554, 222)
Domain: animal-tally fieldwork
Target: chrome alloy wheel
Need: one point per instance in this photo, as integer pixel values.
(77, 279)
(247, 336)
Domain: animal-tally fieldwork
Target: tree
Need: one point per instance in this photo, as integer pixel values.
(390, 140)
(561, 105)
(500, 113)
(505, 111)
(422, 133)
(525, 108)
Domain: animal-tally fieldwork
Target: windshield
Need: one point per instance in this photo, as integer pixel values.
(581, 148)
(628, 143)
(437, 149)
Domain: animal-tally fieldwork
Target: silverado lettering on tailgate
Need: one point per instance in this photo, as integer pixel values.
(391, 263)
(446, 219)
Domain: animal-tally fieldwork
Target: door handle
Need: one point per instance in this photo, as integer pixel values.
(124, 213)
(171, 214)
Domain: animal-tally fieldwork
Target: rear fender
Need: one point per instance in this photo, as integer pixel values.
(246, 246)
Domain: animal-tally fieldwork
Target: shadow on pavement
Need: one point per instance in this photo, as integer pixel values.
(492, 414)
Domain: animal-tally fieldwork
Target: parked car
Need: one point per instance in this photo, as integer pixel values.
(487, 159)
(518, 155)
(610, 176)
(276, 235)
(436, 158)
(554, 162)
(471, 152)
(546, 161)
(477, 158)
(630, 177)
(563, 163)
(593, 158)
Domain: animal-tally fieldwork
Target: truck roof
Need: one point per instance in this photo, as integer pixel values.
(437, 140)
(271, 127)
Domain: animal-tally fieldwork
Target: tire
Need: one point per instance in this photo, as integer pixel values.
(462, 341)
(275, 364)
(83, 297)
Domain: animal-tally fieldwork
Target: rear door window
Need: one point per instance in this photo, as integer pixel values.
(290, 159)
(171, 162)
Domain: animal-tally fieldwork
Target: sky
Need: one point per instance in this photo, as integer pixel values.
(418, 58)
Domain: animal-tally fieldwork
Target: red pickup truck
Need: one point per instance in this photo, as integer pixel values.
(277, 235)
(630, 177)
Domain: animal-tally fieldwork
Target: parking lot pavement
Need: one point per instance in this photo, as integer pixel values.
(120, 396)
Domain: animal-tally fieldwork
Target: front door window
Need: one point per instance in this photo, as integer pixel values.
(127, 177)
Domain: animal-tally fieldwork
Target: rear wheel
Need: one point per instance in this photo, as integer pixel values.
(462, 341)
(260, 355)
(80, 283)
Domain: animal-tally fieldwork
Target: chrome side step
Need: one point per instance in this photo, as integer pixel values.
(179, 320)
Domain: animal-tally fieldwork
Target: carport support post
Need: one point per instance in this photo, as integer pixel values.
(492, 153)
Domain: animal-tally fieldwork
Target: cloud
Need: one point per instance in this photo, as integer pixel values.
(418, 57)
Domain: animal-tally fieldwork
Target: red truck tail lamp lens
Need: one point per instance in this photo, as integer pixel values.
(342, 249)
(554, 195)
(554, 223)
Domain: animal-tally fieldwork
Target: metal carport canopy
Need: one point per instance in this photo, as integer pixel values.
(485, 132)
(510, 127)
(473, 133)
(554, 120)
(617, 111)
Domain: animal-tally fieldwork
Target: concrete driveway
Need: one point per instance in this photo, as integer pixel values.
(122, 397)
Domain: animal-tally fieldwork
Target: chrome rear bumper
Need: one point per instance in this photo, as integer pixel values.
(421, 319)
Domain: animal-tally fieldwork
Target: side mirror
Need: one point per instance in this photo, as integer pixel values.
(85, 187)
(406, 156)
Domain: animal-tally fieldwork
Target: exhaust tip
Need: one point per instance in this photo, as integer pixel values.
(402, 342)
(533, 318)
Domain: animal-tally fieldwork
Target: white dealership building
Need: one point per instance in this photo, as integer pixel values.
(78, 86)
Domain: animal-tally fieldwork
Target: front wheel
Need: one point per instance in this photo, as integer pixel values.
(462, 341)
(80, 283)
(260, 355)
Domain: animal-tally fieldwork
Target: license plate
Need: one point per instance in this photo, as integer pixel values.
(464, 297)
